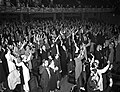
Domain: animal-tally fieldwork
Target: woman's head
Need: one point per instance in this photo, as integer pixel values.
(95, 64)
(99, 47)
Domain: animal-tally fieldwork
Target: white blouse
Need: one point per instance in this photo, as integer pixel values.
(11, 64)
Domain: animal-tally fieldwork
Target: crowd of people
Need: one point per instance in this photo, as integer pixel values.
(61, 3)
(50, 50)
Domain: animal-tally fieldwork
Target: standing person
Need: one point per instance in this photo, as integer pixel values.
(78, 70)
(45, 76)
(100, 38)
(71, 71)
(26, 76)
(99, 55)
(58, 72)
(116, 64)
(95, 82)
(44, 52)
(10, 58)
(4, 62)
(63, 58)
(53, 79)
(107, 77)
(93, 42)
(2, 73)
(13, 77)
(28, 53)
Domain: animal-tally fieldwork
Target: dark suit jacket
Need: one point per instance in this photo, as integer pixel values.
(117, 57)
(44, 81)
(53, 50)
(44, 55)
(4, 63)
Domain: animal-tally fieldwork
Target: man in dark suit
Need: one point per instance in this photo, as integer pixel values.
(99, 55)
(3, 76)
(58, 72)
(116, 64)
(44, 77)
(4, 62)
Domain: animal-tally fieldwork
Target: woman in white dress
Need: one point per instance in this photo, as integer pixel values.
(14, 75)
(10, 58)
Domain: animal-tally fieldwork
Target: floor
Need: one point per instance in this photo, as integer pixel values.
(66, 87)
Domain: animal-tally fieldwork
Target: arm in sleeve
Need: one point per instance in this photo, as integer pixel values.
(104, 69)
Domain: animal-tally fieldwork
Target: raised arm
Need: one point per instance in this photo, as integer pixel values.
(93, 58)
(104, 69)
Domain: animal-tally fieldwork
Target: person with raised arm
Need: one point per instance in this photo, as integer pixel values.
(95, 81)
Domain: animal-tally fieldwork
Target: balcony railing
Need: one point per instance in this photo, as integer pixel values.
(52, 10)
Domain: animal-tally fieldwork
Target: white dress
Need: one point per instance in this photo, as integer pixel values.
(14, 75)
(78, 68)
(11, 65)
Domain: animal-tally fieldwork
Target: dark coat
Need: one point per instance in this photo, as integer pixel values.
(52, 84)
(4, 64)
(63, 60)
(2, 74)
(44, 80)
(117, 57)
(44, 55)
(57, 63)
(53, 50)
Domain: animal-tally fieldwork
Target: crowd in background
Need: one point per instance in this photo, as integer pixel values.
(61, 3)
(50, 50)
